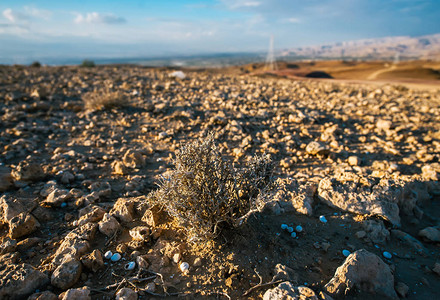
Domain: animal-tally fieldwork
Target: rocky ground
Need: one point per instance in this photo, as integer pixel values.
(355, 212)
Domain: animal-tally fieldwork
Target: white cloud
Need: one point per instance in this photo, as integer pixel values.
(294, 20)
(28, 13)
(98, 18)
(234, 4)
(14, 16)
(38, 13)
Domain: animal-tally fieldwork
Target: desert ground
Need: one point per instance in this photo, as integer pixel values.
(352, 210)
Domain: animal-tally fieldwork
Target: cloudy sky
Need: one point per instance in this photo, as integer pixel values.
(107, 28)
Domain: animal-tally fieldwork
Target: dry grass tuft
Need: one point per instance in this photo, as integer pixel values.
(206, 194)
(104, 99)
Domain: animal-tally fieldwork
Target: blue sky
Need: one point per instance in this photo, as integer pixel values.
(107, 28)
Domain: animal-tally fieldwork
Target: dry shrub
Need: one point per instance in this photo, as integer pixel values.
(206, 194)
(104, 99)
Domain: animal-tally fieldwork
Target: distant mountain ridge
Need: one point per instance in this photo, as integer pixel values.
(399, 47)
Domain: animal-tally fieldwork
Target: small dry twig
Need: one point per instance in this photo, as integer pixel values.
(260, 284)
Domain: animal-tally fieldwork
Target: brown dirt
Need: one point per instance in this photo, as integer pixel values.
(233, 106)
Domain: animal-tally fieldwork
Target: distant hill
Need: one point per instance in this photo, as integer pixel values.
(401, 47)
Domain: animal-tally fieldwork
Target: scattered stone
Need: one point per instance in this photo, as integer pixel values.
(346, 192)
(6, 180)
(365, 271)
(123, 210)
(29, 172)
(109, 225)
(133, 159)
(354, 161)
(22, 224)
(140, 233)
(402, 289)
(409, 240)
(317, 148)
(360, 234)
(8, 246)
(286, 290)
(126, 294)
(197, 262)
(93, 261)
(19, 281)
(430, 233)
(46, 295)
(285, 273)
(67, 273)
(436, 268)
(76, 294)
(376, 231)
(154, 216)
(58, 197)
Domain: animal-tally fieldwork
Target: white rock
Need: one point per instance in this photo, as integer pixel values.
(184, 267)
(108, 254)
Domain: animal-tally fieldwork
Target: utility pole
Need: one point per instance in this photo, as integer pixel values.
(271, 63)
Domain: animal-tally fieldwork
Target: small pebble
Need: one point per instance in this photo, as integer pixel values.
(184, 267)
(290, 229)
(284, 226)
(387, 255)
(298, 228)
(116, 257)
(293, 234)
(64, 204)
(322, 219)
(345, 253)
(108, 254)
(130, 265)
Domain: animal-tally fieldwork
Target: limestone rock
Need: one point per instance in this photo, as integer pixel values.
(376, 231)
(430, 233)
(317, 148)
(123, 210)
(356, 194)
(9, 208)
(67, 273)
(294, 196)
(133, 159)
(6, 180)
(22, 224)
(75, 244)
(153, 216)
(76, 294)
(287, 291)
(92, 214)
(365, 271)
(8, 246)
(27, 171)
(18, 281)
(57, 197)
(402, 289)
(93, 261)
(119, 168)
(126, 294)
(283, 272)
(46, 295)
(140, 233)
(108, 225)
